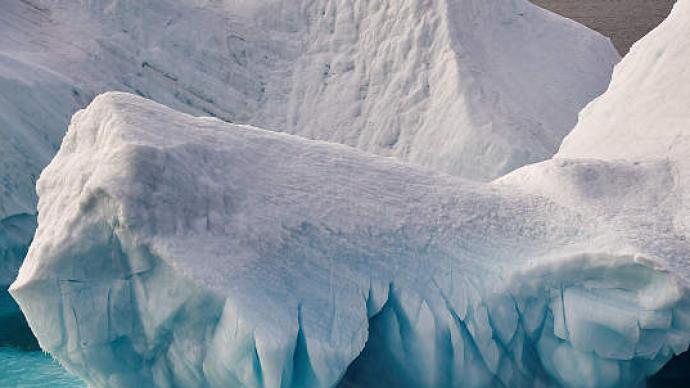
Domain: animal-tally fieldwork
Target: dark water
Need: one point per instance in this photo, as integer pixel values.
(676, 374)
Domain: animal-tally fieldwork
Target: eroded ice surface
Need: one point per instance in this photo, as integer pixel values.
(174, 250)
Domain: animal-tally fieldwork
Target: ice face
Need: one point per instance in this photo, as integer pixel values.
(586, 329)
(15, 236)
(180, 251)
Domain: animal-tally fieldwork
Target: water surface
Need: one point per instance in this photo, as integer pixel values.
(33, 369)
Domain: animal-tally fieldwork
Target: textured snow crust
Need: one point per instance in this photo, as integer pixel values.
(174, 250)
(644, 113)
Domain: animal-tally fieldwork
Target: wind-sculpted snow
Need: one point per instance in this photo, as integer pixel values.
(644, 114)
(181, 251)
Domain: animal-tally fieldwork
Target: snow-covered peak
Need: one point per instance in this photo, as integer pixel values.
(473, 88)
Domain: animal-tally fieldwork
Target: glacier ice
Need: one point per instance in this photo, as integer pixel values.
(29, 136)
(35, 106)
(174, 250)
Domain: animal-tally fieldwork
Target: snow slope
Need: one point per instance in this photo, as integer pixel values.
(31, 134)
(174, 250)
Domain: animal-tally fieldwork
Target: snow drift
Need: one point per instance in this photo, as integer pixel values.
(174, 250)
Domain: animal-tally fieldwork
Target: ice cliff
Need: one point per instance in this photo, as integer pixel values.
(174, 250)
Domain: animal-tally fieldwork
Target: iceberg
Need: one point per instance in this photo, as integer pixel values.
(464, 86)
(181, 251)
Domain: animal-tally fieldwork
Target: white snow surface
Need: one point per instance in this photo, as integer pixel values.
(182, 251)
